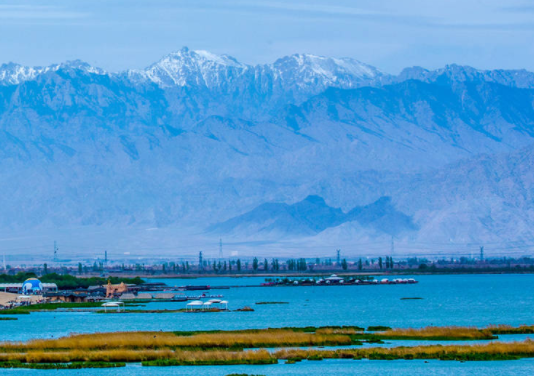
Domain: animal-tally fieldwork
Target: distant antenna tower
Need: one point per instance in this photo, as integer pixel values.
(55, 250)
(200, 267)
(220, 249)
(5, 266)
(106, 256)
(482, 253)
(392, 245)
(338, 256)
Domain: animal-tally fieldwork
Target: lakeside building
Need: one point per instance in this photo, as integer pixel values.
(31, 287)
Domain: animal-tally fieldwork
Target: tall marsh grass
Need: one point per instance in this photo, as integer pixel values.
(218, 347)
(490, 351)
(159, 340)
(436, 333)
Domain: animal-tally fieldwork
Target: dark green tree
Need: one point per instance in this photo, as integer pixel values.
(344, 264)
(255, 264)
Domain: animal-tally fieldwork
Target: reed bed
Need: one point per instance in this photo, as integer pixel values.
(76, 365)
(168, 357)
(165, 340)
(347, 330)
(490, 351)
(147, 357)
(446, 333)
(507, 329)
(215, 358)
(220, 347)
(128, 356)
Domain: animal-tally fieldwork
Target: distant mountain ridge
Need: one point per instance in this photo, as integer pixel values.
(199, 139)
(312, 216)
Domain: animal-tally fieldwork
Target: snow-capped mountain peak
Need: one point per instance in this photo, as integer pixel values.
(78, 65)
(15, 74)
(327, 66)
(186, 67)
(202, 68)
(304, 70)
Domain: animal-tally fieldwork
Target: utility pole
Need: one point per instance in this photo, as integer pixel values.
(338, 257)
(200, 266)
(55, 251)
(482, 253)
(220, 250)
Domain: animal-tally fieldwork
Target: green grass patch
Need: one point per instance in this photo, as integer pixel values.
(54, 306)
(506, 329)
(73, 365)
(14, 311)
(218, 362)
(8, 318)
(378, 328)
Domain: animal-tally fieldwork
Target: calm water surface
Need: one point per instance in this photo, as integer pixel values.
(306, 368)
(474, 300)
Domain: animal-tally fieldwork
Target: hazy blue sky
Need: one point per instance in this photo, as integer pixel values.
(390, 34)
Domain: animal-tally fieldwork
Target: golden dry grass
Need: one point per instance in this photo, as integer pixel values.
(130, 356)
(520, 349)
(507, 329)
(467, 352)
(221, 346)
(446, 332)
(162, 340)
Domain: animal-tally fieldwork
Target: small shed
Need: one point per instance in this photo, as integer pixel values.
(112, 305)
(334, 279)
(195, 304)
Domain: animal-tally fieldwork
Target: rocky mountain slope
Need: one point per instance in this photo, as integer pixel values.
(203, 141)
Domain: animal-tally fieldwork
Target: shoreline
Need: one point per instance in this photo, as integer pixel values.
(249, 346)
(310, 274)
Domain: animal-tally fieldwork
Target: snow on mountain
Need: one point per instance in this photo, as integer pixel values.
(199, 139)
(520, 78)
(202, 68)
(191, 68)
(15, 74)
(303, 69)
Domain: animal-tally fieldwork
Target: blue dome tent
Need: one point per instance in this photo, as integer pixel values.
(32, 286)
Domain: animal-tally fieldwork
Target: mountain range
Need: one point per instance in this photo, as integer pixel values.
(309, 149)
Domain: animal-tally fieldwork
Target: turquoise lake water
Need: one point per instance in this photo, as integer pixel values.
(524, 367)
(473, 300)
